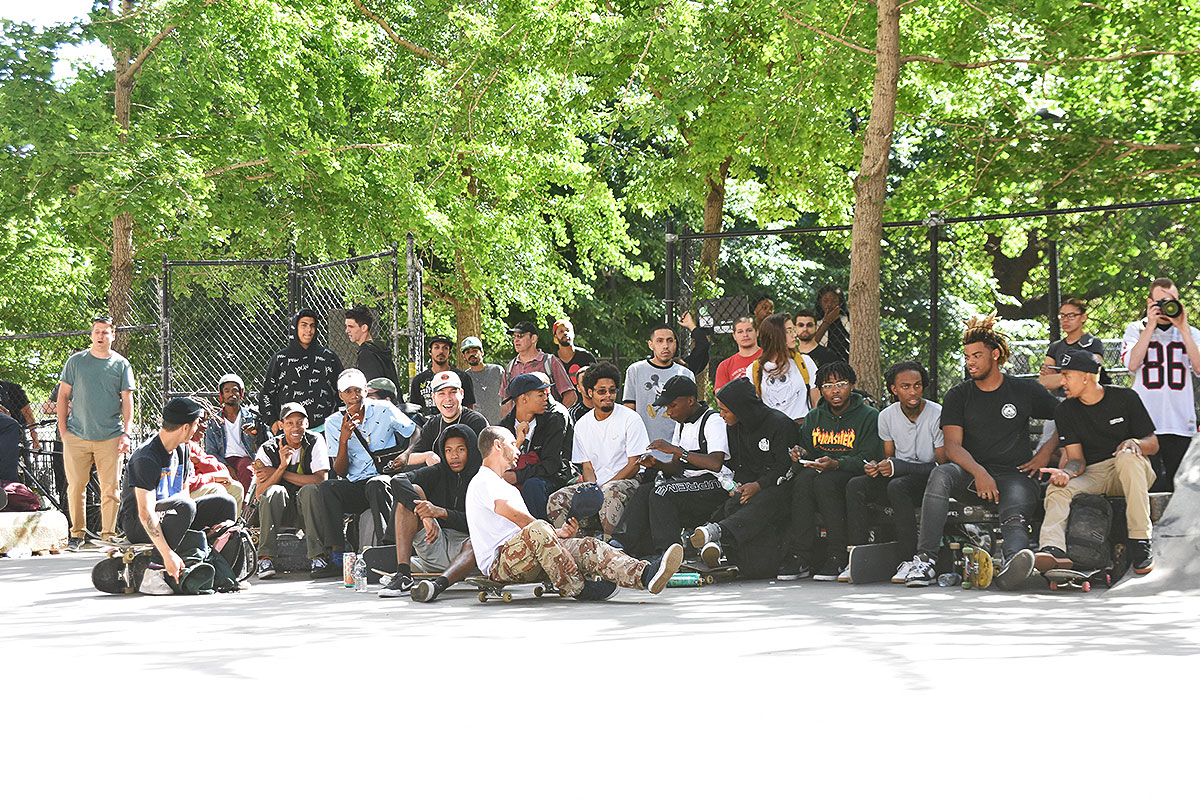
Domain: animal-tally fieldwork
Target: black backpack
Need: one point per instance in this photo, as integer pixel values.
(236, 549)
(1089, 527)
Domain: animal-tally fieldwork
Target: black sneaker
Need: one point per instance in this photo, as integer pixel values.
(829, 571)
(75, 543)
(1141, 556)
(321, 568)
(426, 591)
(659, 571)
(400, 585)
(1016, 571)
(1049, 558)
(598, 589)
(793, 568)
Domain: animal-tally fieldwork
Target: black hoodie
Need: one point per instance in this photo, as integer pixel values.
(304, 375)
(443, 486)
(759, 444)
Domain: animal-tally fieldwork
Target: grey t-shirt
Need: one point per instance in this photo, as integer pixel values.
(643, 383)
(915, 441)
(96, 386)
(487, 391)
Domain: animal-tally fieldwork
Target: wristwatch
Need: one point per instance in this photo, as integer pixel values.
(683, 456)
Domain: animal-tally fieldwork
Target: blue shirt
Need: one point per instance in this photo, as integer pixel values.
(382, 423)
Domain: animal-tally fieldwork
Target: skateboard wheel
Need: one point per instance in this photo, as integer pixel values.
(956, 545)
(538, 591)
(966, 584)
(1108, 579)
(709, 579)
(506, 597)
(482, 597)
(1053, 585)
(1087, 586)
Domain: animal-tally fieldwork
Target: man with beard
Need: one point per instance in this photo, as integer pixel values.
(544, 431)
(572, 357)
(985, 423)
(487, 379)
(304, 372)
(236, 433)
(530, 358)
(374, 359)
(420, 392)
(806, 339)
(645, 379)
(431, 509)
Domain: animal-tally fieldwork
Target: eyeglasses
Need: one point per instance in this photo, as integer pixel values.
(1069, 316)
(838, 385)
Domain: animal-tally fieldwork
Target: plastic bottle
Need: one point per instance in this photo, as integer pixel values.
(728, 484)
(949, 579)
(360, 575)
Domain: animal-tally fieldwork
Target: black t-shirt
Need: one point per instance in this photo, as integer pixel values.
(152, 468)
(822, 355)
(434, 427)
(1086, 342)
(996, 424)
(13, 398)
(420, 394)
(1099, 428)
(581, 359)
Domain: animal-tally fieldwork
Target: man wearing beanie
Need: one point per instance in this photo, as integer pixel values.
(304, 372)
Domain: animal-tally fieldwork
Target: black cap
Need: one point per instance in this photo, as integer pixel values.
(527, 382)
(523, 327)
(181, 411)
(1079, 361)
(678, 386)
(440, 337)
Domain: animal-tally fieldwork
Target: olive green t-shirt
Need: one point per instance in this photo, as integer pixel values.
(96, 386)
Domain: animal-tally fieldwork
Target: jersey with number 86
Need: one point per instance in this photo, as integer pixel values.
(1164, 380)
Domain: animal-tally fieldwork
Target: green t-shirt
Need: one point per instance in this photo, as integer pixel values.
(96, 386)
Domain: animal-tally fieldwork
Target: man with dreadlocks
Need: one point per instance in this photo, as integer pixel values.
(985, 423)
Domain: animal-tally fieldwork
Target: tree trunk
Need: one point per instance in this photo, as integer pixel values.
(714, 210)
(870, 192)
(468, 318)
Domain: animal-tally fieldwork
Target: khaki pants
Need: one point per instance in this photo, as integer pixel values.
(233, 489)
(78, 457)
(536, 553)
(1125, 474)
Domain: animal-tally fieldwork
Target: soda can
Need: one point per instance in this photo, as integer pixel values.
(348, 560)
(685, 579)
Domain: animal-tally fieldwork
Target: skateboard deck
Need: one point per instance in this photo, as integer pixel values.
(380, 560)
(975, 565)
(709, 575)
(490, 589)
(1084, 581)
(872, 563)
(121, 571)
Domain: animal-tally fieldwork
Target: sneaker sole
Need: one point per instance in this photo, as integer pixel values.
(711, 554)
(1044, 562)
(394, 592)
(826, 578)
(266, 576)
(920, 582)
(697, 538)
(422, 592)
(1143, 570)
(672, 558)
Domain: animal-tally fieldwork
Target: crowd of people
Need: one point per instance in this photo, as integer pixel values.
(557, 466)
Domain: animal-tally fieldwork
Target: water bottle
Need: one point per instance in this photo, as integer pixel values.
(949, 579)
(360, 575)
(728, 483)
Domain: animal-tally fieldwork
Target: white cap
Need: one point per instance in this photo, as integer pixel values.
(231, 378)
(351, 377)
(444, 379)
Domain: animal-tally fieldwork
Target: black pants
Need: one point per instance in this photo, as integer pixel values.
(751, 533)
(903, 493)
(180, 514)
(825, 492)
(324, 508)
(656, 513)
(10, 448)
(1171, 450)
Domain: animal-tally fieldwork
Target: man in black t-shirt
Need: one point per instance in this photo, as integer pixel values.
(420, 390)
(806, 339)
(985, 422)
(1107, 434)
(448, 409)
(1072, 316)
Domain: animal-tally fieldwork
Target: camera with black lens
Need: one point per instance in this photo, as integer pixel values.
(1170, 307)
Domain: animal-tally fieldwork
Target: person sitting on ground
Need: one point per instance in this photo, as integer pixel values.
(513, 547)
(746, 338)
(657, 512)
(1107, 434)
(420, 391)
(573, 358)
(447, 394)
(374, 358)
(234, 435)
(287, 462)
(210, 476)
(544, 432)
(985, 422)
(155, 507)
(840, 436)
(783, 378)
(644, 380)
(529, 358)
(834, 330)
(806, 339)
(351, 437)
(911, 432)
(304, 372)
(431, 509)
(486, 378)
(746, 530)
(608, 442)
(1072, 316)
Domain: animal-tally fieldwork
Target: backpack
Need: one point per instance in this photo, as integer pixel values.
(756, 372)
(1089, 524)
(236, 548)
(20, 498)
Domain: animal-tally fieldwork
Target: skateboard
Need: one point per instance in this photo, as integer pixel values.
(380, 561)
(121, 570)
(974, 564)
(1063, 578)
(709, 575)
(490, 589)
(872, 563)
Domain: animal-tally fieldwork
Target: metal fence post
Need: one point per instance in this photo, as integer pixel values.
(416, 313)
(1055, 303)
(164, 327)
(395, 302)
(934, 223)
(293, 283)
(669, 289)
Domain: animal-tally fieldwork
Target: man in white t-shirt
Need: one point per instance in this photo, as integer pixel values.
(691, 485)
(1161, 353)
(608, 442)
(513, 547)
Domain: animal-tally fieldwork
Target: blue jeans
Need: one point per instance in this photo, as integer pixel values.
(1018, 506)
(536, 493)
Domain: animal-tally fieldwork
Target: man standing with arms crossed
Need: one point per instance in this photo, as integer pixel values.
(95, 418)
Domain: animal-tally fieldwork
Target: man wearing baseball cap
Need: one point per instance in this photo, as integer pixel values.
(447, 390)
(531, 359)
(420, 391)
(1107, 434)
(233, 436)
(487, 379)
(543, 431)
(351, 435)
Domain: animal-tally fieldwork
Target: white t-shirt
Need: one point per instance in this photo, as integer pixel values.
(716, 439)
(915, 442)
(233, 437)
(609, 445)
(488, 529)
(1164, 381)
(788, 392)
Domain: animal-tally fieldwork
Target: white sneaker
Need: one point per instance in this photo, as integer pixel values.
(710, 554)
(154, 581)
(844, 575)
(710, 532)
(904, 569)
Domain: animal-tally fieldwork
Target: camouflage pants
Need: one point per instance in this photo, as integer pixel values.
(616, 493)
(536, 553)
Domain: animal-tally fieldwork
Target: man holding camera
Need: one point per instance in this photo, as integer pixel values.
(1160, 351)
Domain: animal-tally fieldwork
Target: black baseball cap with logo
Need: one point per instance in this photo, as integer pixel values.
(677, 386)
